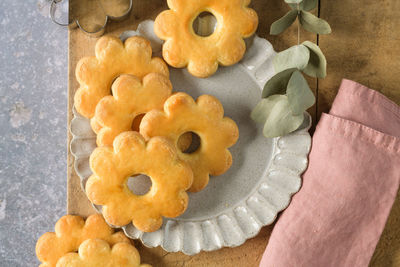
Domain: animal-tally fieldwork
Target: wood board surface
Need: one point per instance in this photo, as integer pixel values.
(363, 47)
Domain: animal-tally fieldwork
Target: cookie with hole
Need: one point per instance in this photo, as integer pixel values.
(184, 47)
(96, 74)
(131, 98)
(205, 118)
(129, 156)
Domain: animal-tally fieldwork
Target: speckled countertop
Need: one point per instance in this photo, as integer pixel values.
(33, 134)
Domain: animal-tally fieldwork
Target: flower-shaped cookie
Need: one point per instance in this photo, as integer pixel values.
(131, 98)
(113, 58)
(131, 156)
(97, 253)
(183, 47)
(205, 117)
(70, 232)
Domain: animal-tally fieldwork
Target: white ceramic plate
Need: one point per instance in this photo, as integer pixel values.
(264, 175)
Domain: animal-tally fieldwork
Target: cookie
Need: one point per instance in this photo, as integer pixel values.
(113, 58)
(225, 46)
(96, 127)
(159, 86)
(205, 117)
(70, 232)
(130, 156)
(130, 98)
(97, 252)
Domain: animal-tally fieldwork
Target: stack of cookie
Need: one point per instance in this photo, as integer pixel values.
(144, 128)
(92, 239)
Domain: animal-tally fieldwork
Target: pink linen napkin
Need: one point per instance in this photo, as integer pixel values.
(350, 185)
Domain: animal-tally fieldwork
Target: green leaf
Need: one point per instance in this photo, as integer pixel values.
(283, 23)
(275, 112)
(317, 65)
(278, 83)
(313, 24)
(281, 121)
(300, 96)
(295, 57)
(293, 1)
(262, 110)
(306, 5)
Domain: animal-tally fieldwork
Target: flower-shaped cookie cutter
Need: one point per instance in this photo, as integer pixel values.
(91, 16)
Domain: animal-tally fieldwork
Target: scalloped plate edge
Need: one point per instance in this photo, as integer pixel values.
(243, 221)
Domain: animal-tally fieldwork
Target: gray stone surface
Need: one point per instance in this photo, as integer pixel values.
(33, 121)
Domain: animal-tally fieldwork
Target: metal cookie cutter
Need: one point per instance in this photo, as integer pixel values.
(91, 16)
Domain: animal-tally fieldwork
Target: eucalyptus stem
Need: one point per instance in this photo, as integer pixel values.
(287, 95)
(298, 24)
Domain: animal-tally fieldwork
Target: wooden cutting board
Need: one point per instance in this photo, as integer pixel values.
(362, 47)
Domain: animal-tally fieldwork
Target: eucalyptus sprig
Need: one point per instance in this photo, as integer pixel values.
(287, 95)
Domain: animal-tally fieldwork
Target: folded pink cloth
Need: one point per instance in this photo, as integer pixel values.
(350, 185)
